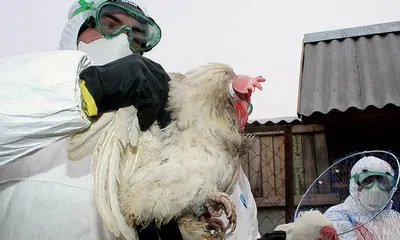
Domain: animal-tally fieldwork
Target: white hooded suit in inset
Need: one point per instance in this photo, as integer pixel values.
(363, 204)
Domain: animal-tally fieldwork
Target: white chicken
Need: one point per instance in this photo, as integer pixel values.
(309, 225)
(179, 172)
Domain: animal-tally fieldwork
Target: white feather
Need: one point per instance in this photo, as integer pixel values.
(83, 144)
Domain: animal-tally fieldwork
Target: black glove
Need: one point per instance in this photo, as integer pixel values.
(275, 235)
(132, 80)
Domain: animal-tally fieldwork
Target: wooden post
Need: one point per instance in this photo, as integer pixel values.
(289, 181)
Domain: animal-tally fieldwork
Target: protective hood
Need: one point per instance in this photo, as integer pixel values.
(372, 164)
(69, 35)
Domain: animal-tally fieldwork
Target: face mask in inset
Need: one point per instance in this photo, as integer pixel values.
(373, 199)
(103, 51)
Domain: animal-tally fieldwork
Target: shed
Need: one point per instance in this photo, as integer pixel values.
(350, 83)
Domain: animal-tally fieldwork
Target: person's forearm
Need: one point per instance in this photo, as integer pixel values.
(40, 101)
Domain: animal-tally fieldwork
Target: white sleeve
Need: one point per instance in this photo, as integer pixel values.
(340, 221)
(40, 101)
(343, 226)
(246, 190)
(246, 210)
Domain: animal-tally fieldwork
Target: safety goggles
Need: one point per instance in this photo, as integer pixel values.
(113, 19)
(367, 179)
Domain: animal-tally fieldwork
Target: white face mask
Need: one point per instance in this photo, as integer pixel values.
(373, 199)
(103, 50)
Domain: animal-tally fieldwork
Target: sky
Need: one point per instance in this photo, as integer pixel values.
(255, 37)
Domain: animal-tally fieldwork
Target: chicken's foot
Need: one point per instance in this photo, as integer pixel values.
(220, 203)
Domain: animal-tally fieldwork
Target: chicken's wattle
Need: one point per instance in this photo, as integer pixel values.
(242, 113)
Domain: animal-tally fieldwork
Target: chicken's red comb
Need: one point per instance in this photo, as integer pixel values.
(329, 233)
(244, 85)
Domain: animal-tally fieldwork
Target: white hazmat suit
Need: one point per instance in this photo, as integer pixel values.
(43, 195)
(364, 203)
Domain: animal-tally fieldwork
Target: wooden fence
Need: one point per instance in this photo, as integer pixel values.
(265, 165)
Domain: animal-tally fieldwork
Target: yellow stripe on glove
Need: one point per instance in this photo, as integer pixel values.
(89, 105)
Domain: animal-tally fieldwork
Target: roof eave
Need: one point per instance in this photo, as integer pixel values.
(381, 28)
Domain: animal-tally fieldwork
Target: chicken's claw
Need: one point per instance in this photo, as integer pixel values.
(215, 226)
(219, 203)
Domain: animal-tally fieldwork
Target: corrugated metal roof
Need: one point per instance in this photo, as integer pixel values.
(274, 121)
(352, 72)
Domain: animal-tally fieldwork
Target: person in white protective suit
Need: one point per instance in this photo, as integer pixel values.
(372, 182)
(47, 96)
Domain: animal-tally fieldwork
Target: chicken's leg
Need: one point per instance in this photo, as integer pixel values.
(222, 202)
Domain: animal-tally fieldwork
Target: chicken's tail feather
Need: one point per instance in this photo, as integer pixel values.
(108, 158)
